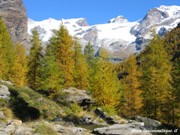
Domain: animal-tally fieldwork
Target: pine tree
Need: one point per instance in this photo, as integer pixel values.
(172, 43)
(35, 61)
(51, 76)
(89, 54)
(61, 45)
(80, 68)
(7, 51)
(20, 67)
(156, 78)
(174, 103)
(105, 89)
(172, 46)
(131, 92)
(92, 64)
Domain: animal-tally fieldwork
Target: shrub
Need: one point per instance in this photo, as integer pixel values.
(3, 102)
(76, 109)
(8, 112)
(110, 110)
(25, 95)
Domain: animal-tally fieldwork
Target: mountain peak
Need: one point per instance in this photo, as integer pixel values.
(118, 19)
(51, 19)
(171, 10)
(82, 22)
(169, 7)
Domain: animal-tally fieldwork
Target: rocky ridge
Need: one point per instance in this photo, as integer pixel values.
(14, 14)
(119, 36)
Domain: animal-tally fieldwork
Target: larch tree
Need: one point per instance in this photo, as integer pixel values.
(105, 88)
(172, 46)
(156, 78)
(89, 54)
(172, 43)
(7, 51)
(61, 45)
(91, 62)
(131, 93)
(173, 113)
(20, 67)
(51, 76)
(80, 73)
(35, 61)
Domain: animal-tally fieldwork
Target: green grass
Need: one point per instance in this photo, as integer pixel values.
(29, 105)
(44, 129)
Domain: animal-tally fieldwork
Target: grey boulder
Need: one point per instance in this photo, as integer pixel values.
(73, 95)
(2, 116)
(148, 123)
(123, 129)
(4, 92)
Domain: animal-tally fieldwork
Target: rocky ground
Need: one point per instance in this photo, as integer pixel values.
(83, 122)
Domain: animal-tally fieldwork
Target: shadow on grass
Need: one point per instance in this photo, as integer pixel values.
(21, 109)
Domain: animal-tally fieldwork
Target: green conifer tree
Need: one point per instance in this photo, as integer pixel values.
(80, 68)
(172, 43)
(51, 76)
(35, 61)
(172, 46)
(156, 78)
(89, 54)
(174, 100)
(92, 64)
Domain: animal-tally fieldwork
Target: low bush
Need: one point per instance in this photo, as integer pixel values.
(109, 110)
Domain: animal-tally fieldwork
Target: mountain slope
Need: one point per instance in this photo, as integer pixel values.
(13, 13)
(119, 36)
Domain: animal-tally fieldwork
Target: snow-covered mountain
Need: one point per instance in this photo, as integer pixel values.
(119, 36)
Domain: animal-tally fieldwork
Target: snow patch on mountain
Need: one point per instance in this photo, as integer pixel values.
(119, 36)
(171, 10)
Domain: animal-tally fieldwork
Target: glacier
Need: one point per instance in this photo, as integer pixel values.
(119, 36)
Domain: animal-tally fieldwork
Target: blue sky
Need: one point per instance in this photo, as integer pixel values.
(95, 11)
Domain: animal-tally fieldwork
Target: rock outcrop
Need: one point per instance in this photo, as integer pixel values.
(14, 14)
(4, 92)
(82, 22)
(104, 116)
(123, 129)
(30, 129)
(2, 116)
(119, 19)
(73, 95)
(148, 123)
